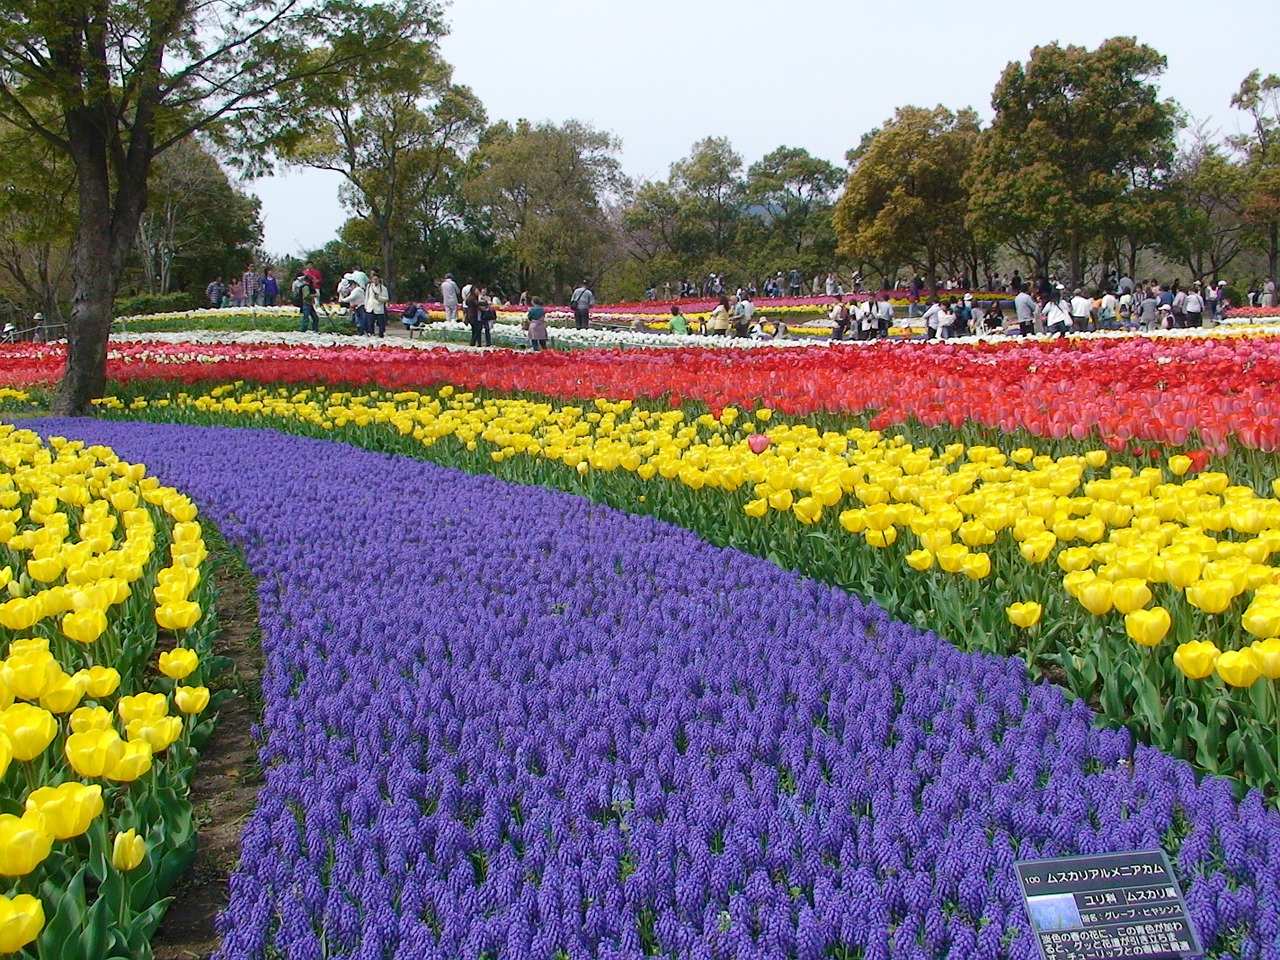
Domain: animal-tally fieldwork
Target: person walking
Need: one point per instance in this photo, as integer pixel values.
(353, 300)
(581, 303)
(251, 283)
(304, 298)
(471, 313)
(270, 288)
(215, 292)
(375, 305)
(450, 296)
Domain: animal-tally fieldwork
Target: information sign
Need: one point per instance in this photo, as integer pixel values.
(1106, 906)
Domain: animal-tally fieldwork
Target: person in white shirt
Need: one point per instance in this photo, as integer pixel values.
(451, 296)
(1056, 319)
(884, 315)
(375, 305)
(1193, 308)
(1081, 310)
(353, 300)
(931, 315)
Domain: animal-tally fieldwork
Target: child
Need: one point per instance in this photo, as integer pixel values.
(535, 322)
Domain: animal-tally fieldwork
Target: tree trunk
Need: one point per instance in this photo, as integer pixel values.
(1076, 258)
(104, 238)
(390, 257)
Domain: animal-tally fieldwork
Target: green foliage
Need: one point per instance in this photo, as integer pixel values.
(1081, 143)
(906, 200)
(541, 189)
(1259, 97)
(146, 303)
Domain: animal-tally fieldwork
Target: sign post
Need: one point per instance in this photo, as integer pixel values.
(1108, 906)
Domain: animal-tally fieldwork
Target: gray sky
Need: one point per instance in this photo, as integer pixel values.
(662, 74)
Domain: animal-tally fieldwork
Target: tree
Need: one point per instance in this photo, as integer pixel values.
(543, 189)
(1077, 135)
(1259, 97)
(197, 223)
(394, 129)
(905, 199)
(1208, 229)
(709, 185)
(115, 83)
(791, 194)
(37, 226)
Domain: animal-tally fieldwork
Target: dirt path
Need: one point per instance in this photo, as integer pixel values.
(225, 786)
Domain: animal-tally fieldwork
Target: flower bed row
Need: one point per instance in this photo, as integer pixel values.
(504, 722)
(1136, 585)
(102, 693)
(1189, 392)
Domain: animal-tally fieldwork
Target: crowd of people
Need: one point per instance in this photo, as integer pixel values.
(253, 288)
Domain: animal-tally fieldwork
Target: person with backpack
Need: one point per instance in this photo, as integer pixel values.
(304, 298)
(581, 303)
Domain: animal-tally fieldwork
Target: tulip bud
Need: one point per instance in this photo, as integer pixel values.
(1130, 594)
(158, 732)
(191, 699)
(1095, 596)
(21, 920)
(128, 851)
(101, 681)
(1211, 596)
(756, 508)
(758, 443)
(142, 706)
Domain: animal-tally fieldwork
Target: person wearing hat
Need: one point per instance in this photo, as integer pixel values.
(38, 332)
(451, 296)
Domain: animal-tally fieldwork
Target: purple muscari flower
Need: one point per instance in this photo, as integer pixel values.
(506, 722)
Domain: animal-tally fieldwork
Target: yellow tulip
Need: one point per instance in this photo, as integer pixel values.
(1037, 547)
(1075, 559)
(25, 842)
(1211, 596)
(1183, 570)
(178, 663)
(1179, 464)
(881, 538)
(951, 557)
(20, 613)
(808, 510)
(1095, 596)
(68, 809)
(101, 681)
(84, 626)
(6, 755)
(1024, 614)
(1262, 619)
(30, 674)
(21, 920)
(1197, 658)
(781, 500)
(935, 540)
(1148, 627)
(756, 508)
(1268, 654)
(159, 732)
(186, 613)
(94, 752)
(135, 761)
(1095, 458)
(1240, 668)
(128, 851)
(142, 706)
(64, 696)
(84, 719)
(45, 569)
(30, 729)
(920, 560)
(1130, 594)
(976, 565)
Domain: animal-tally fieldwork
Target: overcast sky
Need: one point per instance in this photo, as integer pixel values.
(662, 74)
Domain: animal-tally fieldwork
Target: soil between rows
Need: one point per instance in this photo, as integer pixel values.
(225, 785)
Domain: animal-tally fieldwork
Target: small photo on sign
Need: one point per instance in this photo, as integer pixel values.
(1055, 912)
